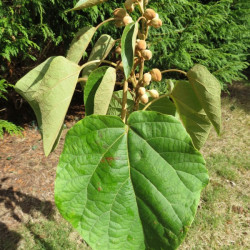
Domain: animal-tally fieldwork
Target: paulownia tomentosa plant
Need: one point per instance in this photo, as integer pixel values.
(130, 175)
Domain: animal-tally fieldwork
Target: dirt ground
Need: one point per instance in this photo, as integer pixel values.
(27, 176)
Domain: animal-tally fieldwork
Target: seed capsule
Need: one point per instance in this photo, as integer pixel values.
(147, 79)
(149, 14)
(153, 93)
(156, 23)
(156, 75)
(141, 91)
(119, 13)
(146, 54)
(144, 98)
(127, 19)
(141, 45)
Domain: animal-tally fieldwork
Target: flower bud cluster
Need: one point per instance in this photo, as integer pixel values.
(122, 17)
(153, 18)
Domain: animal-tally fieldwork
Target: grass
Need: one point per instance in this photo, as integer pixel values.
(222, 220)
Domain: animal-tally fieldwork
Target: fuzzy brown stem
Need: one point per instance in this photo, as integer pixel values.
(124, 101)
(174, 70)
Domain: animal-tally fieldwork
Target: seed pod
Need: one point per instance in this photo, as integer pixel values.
(153, 93)
(156, 23)
(147, 79)
(149, 14)
(141, 45)
(156, 75)
(141, 91)
(119, 13)
(144, 98)
(146, 54)
(127, 19)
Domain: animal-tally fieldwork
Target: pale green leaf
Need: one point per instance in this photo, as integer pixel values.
(98, 90)
(99, 52)
(208, 90)
(191, 113)
(87, 3)
(115, 106)
(49, 89)
(134, 186)
(128, 41)
(80, 44)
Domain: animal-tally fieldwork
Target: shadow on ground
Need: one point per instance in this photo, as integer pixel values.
(27, 204)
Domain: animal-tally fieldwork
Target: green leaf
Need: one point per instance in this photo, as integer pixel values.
(80, 43)
(128, 41)
(162, 105)
(115, 106)
(49, 89)
(208, 90)
(99, 52)
(191, 113)
(87, 3)
(130, 187)
(98, 90)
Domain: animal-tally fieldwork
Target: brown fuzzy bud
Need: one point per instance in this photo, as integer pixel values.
(153, 93)
(149, 14)
(128, 4)
(147, 79)
(156, 75)
(141, 91)
(127, 20)
(141, 45)
(156, 23)
(146, 54)
(118, 50)
(119, 23)
(144, 98)
(119, 13)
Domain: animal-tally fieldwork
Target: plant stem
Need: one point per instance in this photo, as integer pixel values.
(98, 61)
(174, 70)
(108, 20)
(124, 101)
(150, 103)
(82, 79)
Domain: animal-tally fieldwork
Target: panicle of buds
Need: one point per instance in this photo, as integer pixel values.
(156, 75)
(141, 91)
(153, 93)
(147, 79)
(144, 98)
(146, 54)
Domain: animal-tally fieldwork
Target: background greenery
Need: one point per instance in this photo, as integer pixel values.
(213, 33)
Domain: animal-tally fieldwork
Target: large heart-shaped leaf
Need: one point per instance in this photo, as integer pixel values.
(99, 52)
(87, 3)
(80, 43)
(132, 186)
(98, 90)
(49, 89)
(191, 113)
(128, 41)
(208, 90)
